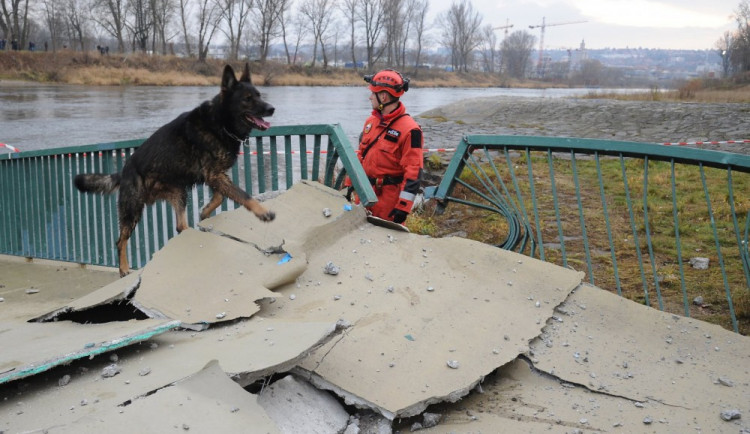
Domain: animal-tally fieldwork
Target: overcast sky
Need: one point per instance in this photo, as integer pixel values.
(672, 24)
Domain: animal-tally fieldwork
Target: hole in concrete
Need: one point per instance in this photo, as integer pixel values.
(257, 386)
(116, 311)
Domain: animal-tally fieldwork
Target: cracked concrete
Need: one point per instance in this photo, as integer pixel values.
(534, 349)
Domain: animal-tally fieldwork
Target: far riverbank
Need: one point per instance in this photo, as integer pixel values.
(638, 121)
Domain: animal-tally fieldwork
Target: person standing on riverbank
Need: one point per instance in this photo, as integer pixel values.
(390, 147)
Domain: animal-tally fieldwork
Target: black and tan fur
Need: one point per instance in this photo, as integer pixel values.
(199, 146)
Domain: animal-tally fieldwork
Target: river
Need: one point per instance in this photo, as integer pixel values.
(43, 116)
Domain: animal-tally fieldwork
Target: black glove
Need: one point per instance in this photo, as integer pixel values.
(399, 216)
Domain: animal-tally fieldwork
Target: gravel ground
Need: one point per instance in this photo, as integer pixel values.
(637, 121)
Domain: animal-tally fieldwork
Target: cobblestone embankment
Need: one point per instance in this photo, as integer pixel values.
(638, 121)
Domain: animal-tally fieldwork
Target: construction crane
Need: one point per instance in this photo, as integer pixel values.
(506, 27)
(543, 26)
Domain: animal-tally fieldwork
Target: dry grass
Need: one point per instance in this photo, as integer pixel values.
(92, 68)
(108, 76)
(696, 234)
(690, 91)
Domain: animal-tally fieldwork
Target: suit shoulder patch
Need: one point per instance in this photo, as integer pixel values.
(416, 138)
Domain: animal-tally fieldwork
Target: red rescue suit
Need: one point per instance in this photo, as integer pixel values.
(390, 150)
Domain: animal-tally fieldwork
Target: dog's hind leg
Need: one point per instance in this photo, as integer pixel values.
(221, 184)
(212, 205)
(129, 206)
(122, 248)
(178, 200)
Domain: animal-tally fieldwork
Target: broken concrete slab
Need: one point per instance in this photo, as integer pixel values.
(520, 398)
(299, 218)
(247, 350)
(409, 298)
(416, 304)
(202, 277)
(57, 284)
(297, 407)
(432, 319)
(40, 347)
(115, 292)
(613, 345)
(207, 401)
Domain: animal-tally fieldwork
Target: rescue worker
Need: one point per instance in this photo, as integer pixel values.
(390, 147)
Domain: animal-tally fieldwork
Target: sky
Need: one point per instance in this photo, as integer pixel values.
(668, 24)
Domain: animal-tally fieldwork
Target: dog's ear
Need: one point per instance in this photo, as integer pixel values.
(246, 74)
(228, 80)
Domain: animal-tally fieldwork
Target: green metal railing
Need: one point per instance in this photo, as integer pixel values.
(42, 215)
(631, 215)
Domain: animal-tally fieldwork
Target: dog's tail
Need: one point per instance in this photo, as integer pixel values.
(97, 183)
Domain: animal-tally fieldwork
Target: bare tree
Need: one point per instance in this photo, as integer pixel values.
(55, 21)
(76, 21)
(349, 9)
(393, 12)
(489, 48)
(420, 20)
(162, 13)
(285, 23)
(319, 14)
(516, 52)
(406, 31)
(723, 49)
(739, 55)
(267, 23)
(371, 15)
(461, 35)
(14, 21)
(141, 24)
(110, 15)
(184, 6)
(209, 15)
(234, 13)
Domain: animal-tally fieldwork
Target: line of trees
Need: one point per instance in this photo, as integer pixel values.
(734, 47)
(370, 32)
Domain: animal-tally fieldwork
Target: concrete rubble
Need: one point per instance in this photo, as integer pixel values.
(322, 322)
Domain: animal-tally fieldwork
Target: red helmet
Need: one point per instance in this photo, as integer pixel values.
(388, 80)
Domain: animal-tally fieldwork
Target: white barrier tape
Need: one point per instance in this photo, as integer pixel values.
(3, 145)
(708, 142)
(357, 151)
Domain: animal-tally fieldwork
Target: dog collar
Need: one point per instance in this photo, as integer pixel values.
(226, 131)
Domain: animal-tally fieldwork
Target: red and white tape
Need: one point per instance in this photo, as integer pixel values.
(14, 149)
(325, 152)
(710, 142)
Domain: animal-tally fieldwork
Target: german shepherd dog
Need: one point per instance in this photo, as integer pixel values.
(199, 146)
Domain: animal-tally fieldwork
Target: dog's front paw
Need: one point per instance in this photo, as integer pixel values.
(267, 216)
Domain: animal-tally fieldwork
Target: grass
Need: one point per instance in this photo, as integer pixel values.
(658, 281)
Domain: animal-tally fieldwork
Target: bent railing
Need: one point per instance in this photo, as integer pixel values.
(639, 219)
(44, 216)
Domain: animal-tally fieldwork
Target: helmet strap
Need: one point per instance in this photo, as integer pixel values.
(382, 105)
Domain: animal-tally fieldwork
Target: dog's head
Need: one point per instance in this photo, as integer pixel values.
(243, 101)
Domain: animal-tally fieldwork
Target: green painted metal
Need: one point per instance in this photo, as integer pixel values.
(91, 350)
(575, 205)
(44, 216)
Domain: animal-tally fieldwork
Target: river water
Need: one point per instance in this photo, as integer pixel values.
(42, 116)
